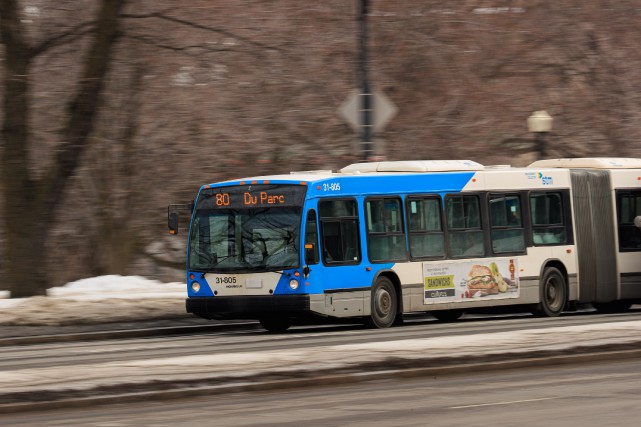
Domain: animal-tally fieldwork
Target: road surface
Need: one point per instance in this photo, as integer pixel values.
(604, 394)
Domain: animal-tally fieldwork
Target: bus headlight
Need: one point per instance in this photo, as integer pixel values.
(195, 286)
(293, 284)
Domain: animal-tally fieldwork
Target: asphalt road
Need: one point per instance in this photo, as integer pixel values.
(585, 395)
(252, 339)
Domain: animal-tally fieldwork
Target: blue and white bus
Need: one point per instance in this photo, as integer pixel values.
(374, 241)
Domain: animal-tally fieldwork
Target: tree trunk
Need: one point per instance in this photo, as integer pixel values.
(23, 263)
(30, 205)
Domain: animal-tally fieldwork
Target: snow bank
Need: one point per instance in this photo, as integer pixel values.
(121, 287)
(97, 300)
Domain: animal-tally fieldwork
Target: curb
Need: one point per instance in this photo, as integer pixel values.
(366, 372)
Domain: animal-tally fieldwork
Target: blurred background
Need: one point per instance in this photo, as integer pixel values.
(111, 110)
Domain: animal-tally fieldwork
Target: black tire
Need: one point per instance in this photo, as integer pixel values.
(384, 304)
(275, 324)
(553, 293)
(612, 307)
(447, 315)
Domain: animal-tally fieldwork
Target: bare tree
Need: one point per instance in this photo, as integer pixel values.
(30, 202)
(200, 91)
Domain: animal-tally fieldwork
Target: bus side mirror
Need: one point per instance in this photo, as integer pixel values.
(172, 215)
(172, 222)
(637, 221)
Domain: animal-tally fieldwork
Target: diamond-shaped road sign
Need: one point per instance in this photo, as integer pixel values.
(384, 110)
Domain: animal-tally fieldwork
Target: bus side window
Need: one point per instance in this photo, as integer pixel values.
(629, 207)
(339, 231)
(466, 237)
(506, 226)
(426, 235)
(548, 227)
(385, 235)
(311, 239)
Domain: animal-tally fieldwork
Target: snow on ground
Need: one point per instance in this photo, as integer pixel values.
(97, 300)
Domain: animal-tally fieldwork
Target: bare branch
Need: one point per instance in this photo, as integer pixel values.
(202, 27)
(202, 47)
(78, 31)
(83, 107)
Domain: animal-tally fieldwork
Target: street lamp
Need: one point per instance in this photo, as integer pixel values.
(540, 123)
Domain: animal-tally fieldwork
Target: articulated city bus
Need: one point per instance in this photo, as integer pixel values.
(374, 241)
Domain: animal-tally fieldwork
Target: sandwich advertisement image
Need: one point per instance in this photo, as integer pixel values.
(469, 280)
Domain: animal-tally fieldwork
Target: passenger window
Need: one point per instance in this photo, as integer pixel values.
(426, 237)
(338, 208)
(548, 227)
(628, 208)
(464, 226)
(507, 232)
(339, 231)
(385, 236)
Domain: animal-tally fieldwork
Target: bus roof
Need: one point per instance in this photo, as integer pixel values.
(419, 167)
(589, 163)
(414, 166)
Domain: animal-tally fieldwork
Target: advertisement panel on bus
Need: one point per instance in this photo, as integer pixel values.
(456, 281)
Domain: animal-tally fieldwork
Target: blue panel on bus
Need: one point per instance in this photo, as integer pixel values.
(324, 278)
(390, 184)
(282, 287)
(205, 290)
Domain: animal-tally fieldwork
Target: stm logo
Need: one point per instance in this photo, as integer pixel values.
(545, 180)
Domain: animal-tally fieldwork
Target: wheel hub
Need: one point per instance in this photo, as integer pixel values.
(383, 303)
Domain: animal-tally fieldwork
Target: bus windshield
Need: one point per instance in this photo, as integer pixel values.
(233, 232)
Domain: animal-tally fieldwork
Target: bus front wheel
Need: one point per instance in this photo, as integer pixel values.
(554, 295)
(384, 304)
(275, 324)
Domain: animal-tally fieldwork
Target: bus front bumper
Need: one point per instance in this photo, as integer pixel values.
(248, 307)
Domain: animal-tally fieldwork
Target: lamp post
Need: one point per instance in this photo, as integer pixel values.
(540, 123)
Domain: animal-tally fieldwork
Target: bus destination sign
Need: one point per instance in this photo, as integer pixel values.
(251, 196)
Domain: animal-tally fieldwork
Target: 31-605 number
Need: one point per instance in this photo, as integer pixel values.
(225, 280)
(332, 186)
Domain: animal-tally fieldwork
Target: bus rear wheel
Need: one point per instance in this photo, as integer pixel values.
(554, 295)
(384, 304)
(275, 324)
(612, 307)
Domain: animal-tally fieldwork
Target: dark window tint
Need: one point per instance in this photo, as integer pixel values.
(507, 233)
(311, 239)
(339, 231)
(385, 237)
(629, 207)
(426, 237)
(338, 208)
(464, 226)
(548, 226)
(242, 240)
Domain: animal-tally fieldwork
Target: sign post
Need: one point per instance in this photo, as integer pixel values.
(365, 110)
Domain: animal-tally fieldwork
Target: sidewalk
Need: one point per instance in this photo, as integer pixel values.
(329, 365)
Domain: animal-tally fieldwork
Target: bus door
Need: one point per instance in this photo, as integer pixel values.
(343, 282)
(629, 233)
